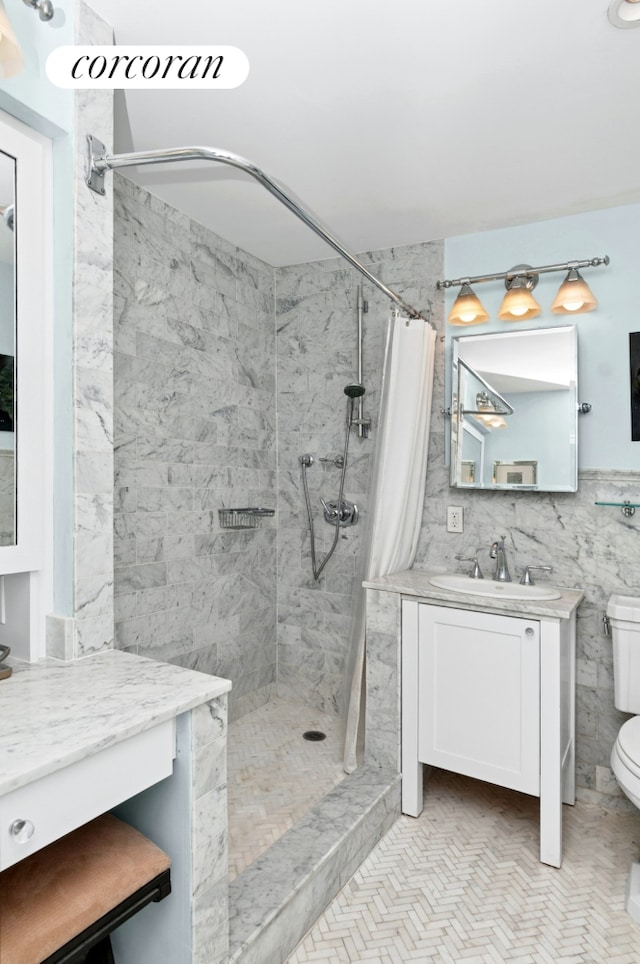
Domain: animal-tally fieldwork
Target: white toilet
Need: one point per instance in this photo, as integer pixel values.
(624, 617)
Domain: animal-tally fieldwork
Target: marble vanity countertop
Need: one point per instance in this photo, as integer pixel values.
(415, 582)
(54, 713)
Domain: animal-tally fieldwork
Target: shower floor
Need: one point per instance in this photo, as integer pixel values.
(275, 776)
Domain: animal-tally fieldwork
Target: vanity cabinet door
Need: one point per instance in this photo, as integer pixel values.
(479, 695)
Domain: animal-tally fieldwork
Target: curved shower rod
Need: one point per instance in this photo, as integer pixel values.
(100, 162)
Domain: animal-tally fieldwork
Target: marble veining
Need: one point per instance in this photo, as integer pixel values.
(194, 373)
(88, 626)
(56, 713)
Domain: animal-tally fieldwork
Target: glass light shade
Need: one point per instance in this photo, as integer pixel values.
(518, 304)
(11, 62)
(467, 309)
(624, 13)
(574, 296)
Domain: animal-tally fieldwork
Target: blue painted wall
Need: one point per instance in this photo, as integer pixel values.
(603, 335)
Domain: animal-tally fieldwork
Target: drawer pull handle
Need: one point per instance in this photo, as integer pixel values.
(528, 631)
(21, 830)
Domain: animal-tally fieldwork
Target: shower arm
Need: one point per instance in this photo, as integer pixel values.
(100, 162)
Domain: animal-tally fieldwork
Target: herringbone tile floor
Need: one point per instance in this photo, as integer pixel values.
(274, 776)
(463, 883)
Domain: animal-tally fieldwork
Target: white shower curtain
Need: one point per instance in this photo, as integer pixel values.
(399, 478)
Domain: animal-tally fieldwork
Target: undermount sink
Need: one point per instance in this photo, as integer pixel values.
(455, 582)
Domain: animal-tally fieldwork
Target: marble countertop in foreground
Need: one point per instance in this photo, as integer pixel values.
(54, 713)
(415, 582)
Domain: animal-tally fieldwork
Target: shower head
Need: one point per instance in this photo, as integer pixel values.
(354, 391)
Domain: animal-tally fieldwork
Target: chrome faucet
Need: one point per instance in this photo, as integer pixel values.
(499, 553)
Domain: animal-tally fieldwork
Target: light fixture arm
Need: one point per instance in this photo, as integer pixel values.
(527, 272)
(99, 163)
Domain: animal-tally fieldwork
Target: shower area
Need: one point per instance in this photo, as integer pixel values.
(227, 372)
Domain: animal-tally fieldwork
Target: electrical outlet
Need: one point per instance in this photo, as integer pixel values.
(455, 520)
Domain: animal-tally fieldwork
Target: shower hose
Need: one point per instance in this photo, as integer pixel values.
(318, 569)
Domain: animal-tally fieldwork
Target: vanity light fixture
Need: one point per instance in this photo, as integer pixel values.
(467, 308)
(574, 296)
(11, 62)
(624, 13)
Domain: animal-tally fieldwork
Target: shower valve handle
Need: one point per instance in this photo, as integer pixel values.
(340, 514)
(331, 511)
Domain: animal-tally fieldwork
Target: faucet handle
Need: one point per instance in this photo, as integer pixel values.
(476, 572)
(526, 579)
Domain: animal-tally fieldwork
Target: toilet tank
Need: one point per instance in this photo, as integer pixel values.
(624, 616)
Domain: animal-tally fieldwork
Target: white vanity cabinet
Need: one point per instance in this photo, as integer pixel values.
(479, 695)
(490, 695)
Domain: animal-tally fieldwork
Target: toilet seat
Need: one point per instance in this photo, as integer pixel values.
(625, 759)
(628, 745)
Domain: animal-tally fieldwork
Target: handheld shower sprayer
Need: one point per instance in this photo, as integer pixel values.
(339, 513)
(352, 392)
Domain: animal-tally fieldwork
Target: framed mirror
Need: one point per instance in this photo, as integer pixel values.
(7, 350)
(25, 337)
(514, 410)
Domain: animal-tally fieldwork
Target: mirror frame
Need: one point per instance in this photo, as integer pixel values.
(454, 482)
(34, 320)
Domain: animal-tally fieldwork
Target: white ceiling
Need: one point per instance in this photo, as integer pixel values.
(394, 122)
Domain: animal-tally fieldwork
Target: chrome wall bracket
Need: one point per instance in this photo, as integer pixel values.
(96, 150)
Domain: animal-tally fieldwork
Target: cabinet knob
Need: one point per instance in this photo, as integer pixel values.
(21, 830)
(528, 631)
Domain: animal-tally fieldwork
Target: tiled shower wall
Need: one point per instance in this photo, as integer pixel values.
(316, 358)
(194, 432)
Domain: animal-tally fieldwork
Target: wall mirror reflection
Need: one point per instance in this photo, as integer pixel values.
(7, 350)
(514, 412)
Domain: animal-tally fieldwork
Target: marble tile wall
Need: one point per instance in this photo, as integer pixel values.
(209, 833)
(316, 358)
(89, 628)
(194, 432)
(383, 680)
